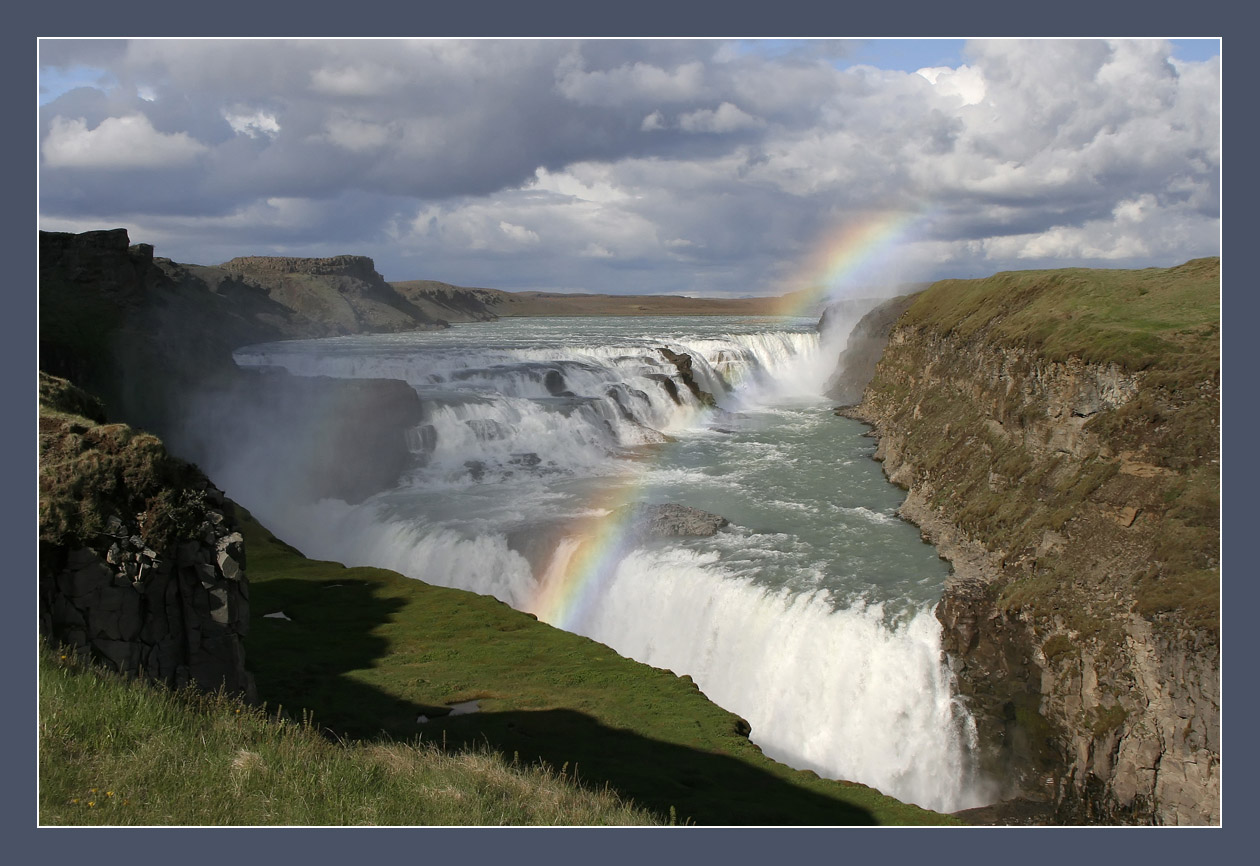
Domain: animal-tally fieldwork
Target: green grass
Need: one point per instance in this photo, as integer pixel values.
(123, 752)
(1058, 645)
(568, 731)
(89, 472)
(1165, 319)
(367, 651)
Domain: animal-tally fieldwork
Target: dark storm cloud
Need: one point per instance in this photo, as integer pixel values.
(67, 53)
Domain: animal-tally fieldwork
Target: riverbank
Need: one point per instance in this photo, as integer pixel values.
(1082, 619)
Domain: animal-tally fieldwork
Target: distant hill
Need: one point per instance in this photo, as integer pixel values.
(345, 294)
(464, 304)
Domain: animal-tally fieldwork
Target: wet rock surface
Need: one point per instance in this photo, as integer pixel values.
(683, 363)
(672, 521)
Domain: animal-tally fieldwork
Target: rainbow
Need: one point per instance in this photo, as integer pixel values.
(854, 251)
(586, 560)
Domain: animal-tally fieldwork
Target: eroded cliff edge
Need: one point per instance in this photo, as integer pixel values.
(1058, 435)
(141, 564)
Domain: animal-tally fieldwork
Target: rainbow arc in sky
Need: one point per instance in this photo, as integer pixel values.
(849, 258)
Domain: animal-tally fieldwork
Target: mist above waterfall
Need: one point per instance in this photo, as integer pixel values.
(810, 615)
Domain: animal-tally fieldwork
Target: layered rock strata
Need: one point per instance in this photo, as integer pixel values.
(1078, 506)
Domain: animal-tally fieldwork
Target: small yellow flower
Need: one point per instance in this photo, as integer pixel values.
(92, 791)
(109, 793)
(91, 802)
(74, 800)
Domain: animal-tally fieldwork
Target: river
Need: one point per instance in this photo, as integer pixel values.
(809, 615)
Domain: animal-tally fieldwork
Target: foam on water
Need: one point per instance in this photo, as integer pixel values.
(810, 616)
(835, 690)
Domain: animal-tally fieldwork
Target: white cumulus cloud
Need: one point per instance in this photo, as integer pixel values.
(520, 234)
(965, 82)
(698, 165)
(129, 141)
(255, 124)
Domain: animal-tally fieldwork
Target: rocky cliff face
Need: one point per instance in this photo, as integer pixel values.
(359, 267)
(856, 365)
(344, 293)
(141, 332)
(452, 303)
(1078, 503)
(140, 565)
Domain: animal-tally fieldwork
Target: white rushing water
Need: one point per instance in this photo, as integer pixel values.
(810, 615)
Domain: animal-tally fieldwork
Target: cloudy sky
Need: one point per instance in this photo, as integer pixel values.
(697, 167)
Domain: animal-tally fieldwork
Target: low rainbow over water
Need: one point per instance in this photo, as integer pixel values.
(586, 560)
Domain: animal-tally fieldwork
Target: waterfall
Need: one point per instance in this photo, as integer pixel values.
(810, 617)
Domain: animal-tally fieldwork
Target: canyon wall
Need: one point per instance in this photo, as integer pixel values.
(140, 564)
(344, 294)
(140, 332)
(1078, 500)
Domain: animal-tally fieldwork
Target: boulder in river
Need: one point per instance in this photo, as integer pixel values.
(673, 521)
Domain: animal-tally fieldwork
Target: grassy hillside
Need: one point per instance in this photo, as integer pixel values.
(368, 652)
(1161, 449)
(1162, 319)
(118, 752)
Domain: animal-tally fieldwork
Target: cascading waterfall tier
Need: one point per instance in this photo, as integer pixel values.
(810, 615)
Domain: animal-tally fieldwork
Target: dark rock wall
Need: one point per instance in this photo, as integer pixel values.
(140, 563)
(177, 615)
(144, 333)
(148, 337)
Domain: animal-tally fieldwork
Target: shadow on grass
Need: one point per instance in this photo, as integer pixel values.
(315, 660)
(306, 660)
(700, 787)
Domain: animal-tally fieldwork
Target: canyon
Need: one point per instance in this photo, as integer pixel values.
(1072, 481)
